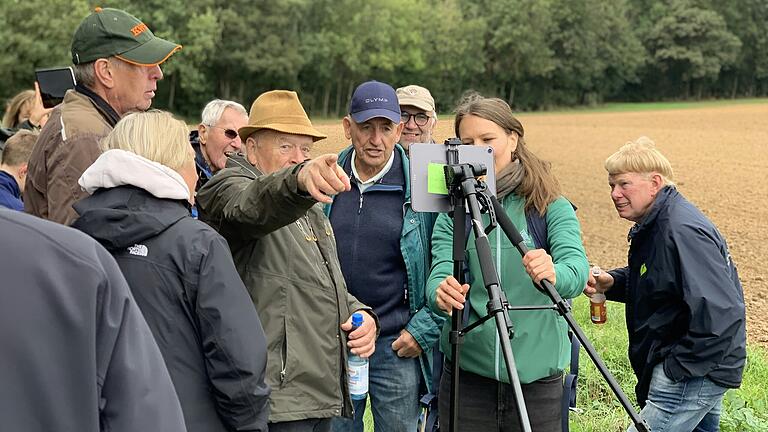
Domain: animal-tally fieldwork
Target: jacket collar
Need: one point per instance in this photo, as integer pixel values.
(238, 160)
(666, 194)
(203, 169)
(109, 113)
(346, 156)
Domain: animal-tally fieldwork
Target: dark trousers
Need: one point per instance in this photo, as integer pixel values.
(489, 405)
(309, 425)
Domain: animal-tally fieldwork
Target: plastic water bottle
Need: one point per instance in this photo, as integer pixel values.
(357, 367)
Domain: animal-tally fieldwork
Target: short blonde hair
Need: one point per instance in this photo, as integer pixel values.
(155, 135)
(642, 157)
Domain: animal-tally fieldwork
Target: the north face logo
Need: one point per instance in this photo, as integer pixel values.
(138, 249)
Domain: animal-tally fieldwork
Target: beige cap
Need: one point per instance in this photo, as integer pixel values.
(416, 96)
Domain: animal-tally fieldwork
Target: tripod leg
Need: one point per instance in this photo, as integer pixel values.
(565, 311)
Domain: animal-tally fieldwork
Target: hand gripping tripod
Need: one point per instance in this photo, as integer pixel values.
(464, 186)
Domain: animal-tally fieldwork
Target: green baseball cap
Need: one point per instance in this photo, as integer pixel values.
(112, 32)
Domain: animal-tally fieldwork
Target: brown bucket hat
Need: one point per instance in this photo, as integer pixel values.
(281, 111)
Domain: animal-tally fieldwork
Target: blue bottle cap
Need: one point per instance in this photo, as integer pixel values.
(357, 319)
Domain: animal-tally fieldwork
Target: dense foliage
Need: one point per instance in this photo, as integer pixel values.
(534, 53)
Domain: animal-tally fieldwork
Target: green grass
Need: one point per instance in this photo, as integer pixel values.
(744, 409)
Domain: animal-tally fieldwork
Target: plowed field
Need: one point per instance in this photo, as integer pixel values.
(720, 157)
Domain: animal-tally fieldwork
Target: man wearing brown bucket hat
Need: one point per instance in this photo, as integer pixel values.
(116, 61)
(266, 205)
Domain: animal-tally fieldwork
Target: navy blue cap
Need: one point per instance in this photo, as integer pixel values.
(374, 99)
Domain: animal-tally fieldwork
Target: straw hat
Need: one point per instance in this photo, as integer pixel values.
(281, 111)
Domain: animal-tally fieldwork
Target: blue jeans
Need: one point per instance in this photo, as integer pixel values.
(689, 405)
(393, 386)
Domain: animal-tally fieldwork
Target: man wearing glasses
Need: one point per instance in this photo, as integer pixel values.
(417, 108)
(384, 250)
(216, 137)
(116, 61)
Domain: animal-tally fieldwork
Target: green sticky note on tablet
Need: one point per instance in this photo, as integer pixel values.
(436, 179)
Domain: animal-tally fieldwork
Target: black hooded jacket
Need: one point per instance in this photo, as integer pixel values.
(684, 302)
(181, 273)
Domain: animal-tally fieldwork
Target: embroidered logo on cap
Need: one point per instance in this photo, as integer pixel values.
(139, 29)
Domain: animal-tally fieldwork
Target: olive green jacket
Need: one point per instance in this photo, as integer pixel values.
(285, 252)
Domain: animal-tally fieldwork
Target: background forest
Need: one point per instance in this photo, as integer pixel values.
(537, 54)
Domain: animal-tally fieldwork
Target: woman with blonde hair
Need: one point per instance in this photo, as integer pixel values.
(26, 111)
(180, 271)
(526, 189)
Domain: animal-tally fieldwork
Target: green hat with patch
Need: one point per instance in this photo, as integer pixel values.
(112, 32)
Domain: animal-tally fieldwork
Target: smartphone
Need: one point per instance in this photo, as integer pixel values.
(54, 83)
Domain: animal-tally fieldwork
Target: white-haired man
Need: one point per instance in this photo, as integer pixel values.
(216, 136)
(684, 301)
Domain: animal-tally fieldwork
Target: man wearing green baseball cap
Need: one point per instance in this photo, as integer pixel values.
(116, 61)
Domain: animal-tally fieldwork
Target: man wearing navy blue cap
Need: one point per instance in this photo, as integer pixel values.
(384, 251)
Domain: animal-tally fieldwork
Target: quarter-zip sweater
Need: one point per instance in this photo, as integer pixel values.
(368, 226)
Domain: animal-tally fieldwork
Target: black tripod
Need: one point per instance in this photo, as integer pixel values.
(464, 186)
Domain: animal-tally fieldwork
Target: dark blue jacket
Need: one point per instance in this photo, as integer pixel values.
(204, 171)
(10, 194)
(684, 302)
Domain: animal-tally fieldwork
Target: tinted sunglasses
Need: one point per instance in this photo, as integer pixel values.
(229, 133)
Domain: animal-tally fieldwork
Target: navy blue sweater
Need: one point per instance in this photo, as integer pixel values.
(367, 228)
(10, 194)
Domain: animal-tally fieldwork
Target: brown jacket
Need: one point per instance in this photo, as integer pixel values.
(68, 144)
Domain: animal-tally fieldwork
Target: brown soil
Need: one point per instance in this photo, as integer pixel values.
(720, 157)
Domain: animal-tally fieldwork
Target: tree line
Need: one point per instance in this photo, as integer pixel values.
(536, 54)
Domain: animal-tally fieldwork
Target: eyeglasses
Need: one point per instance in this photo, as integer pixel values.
(229, 133)
(420, 119)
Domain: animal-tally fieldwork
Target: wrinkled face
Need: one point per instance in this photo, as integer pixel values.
(633, 193)
(418, 126)
(134, 86)
(221, 138)
(271, 151)
(374, 141)
(479, 131)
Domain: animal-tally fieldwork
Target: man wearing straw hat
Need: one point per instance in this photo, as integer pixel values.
(266, 204)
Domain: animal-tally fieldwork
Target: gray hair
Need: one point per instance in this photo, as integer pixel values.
(215, 108)
(84, 74)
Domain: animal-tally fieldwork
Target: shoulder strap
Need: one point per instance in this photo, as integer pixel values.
(537, 228)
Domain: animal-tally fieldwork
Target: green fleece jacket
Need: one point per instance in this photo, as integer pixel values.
(540, 344)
